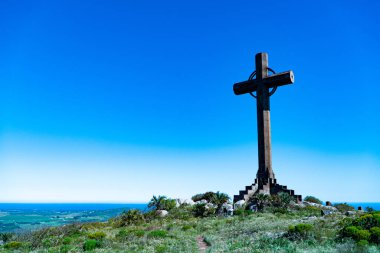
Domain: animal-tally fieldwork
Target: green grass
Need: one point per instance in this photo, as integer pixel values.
(294, 231)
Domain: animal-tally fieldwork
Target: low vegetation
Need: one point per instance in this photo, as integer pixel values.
(277, 224)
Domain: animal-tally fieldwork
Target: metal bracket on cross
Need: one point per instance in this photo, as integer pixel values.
(254, 74)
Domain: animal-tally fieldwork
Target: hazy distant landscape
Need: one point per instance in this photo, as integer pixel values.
(24, 217)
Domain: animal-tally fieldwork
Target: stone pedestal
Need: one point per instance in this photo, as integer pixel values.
(269, 186)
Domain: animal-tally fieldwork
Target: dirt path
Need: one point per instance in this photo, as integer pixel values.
(202, 245)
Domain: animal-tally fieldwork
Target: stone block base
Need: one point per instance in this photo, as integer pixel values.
(269, 186)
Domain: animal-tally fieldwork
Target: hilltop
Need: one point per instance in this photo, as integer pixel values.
(278, 225)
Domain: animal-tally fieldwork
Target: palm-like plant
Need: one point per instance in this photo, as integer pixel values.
(219, 199)
(157, 202)
(261, 200)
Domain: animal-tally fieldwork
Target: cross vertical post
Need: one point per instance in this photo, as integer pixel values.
(265, 171)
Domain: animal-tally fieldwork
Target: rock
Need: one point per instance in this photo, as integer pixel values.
(350, 213)
(162, 213)
(312, 204)
(228, 209)
(189, 202)
(239, 204)
(210, 205)
(227, 206)
(326, 212)
(300, 205)
(330, 208)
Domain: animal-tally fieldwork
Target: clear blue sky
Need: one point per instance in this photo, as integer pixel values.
(114, 101)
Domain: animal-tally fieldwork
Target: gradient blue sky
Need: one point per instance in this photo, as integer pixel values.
(114, 101)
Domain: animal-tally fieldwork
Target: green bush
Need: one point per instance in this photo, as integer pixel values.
(300, 231)
(13, 245)
(280, 201)
(312, 199)
(362, 234)
(131, 217)
(260, 200)
(161, 249)
(367, 221)
(138, 233)
(65, 249)
(362, 243)
(186, 227)
(98, 235)
(169, 204)
(209, 196)
(201, 210)
(344, 207)
(67, 240)
(158, 234)
(122, 233)
(350, 231)
(91, 245)
(375, 234)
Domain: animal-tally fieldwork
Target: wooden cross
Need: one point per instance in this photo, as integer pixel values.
(261, 86)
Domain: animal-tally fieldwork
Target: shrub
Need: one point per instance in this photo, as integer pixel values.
(122, 233)
(281, 200)
(169, 204)
(182, 213)
(91, 245)
(5, 237)
(161, 249)
(138, 233)
(13, 245)
(197, 197)
(99, 235)
(186, 227)
(260, 200)
(300, 231)
(362, 234)
(312, 199)
(375, 234)
(344, 207)
(64, 249)
(201, 210)
(67, 240)
(131, 217)
(158, 234)
(209, 196)
(362, 243)
(349, 231)
(366, 221)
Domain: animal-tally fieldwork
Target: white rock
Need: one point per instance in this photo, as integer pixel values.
(239, 204)
(331, 208)
(312, 204)
(189, 202)
(227, 206)
(162, 213)
(209, 205)
(202, 201)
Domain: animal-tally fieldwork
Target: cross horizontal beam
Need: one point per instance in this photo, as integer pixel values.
(279, 79)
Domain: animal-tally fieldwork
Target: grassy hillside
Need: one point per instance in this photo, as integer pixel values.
(185, 229)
